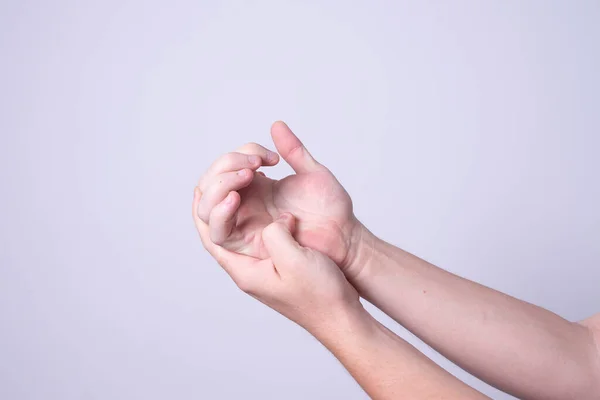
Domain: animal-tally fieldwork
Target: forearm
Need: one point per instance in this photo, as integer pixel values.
(386, 366)
(513, 345)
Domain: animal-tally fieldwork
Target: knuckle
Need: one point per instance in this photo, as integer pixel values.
(202, 214)
(227, 161)
(218, 255)
(252, 148)
(216, 239)
(244, 283)
(297, 151)
(252, 145)
(201, 180)
(243, 174)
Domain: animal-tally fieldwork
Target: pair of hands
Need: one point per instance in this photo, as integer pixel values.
(287, 243)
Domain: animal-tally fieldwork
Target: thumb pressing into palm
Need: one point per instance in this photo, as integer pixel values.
(311, 289)
(279, 242)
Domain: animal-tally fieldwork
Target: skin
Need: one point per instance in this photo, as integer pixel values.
(307, 287)
(238, 207)
(515, 346)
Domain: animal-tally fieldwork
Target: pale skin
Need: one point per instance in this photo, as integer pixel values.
(296, 246)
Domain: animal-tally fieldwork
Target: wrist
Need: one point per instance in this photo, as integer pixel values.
(361, 254)
(344, 323)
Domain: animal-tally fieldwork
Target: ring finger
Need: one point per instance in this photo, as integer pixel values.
(219, 187)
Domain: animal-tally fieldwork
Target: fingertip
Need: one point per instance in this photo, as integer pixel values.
(288, 220)
(254, 160)
(271, 158)
(232, 199)
(267, 233)
(245, 173)
(279, 131)
(278, 128)
(279, 240)
(285, 216)
(292, 150)
(278, 124)
(275, 227)
(228, 205)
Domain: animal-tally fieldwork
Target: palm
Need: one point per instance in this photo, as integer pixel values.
(321, 205)
(237, 206)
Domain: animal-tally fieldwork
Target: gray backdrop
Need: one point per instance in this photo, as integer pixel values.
(466, 132)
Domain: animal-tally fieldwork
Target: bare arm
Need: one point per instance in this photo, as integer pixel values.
(515, 346)
(308, 288)
(386, 366)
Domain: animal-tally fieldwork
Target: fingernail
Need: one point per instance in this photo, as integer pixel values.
(283, 217)
(254, 159)
(241, 172)
(229, 199)
(271, 156)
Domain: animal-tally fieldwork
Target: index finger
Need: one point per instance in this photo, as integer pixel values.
(269, 158)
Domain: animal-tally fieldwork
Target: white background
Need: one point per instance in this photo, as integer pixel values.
(466, 132)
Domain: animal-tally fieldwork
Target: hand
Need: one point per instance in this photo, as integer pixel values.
(300, 283)
(237, 202)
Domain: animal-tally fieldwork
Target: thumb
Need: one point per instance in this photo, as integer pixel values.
(279, 242)
(292, 150)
